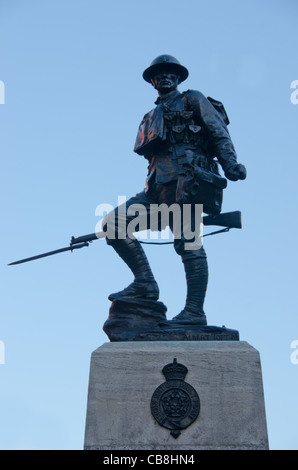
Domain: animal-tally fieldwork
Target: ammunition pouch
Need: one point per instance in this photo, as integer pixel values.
(197, 185)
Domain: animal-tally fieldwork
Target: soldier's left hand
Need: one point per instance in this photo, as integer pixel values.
(237, 172)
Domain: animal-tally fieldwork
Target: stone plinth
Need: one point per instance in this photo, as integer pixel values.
(226, 375)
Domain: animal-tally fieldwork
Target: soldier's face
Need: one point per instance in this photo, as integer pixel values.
(165, 81)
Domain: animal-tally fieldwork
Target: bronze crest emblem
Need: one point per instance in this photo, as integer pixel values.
(175, 404)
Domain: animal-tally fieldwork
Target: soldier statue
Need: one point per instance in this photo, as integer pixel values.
(185, 139)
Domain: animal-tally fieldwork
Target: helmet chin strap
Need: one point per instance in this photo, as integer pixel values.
(172, 77)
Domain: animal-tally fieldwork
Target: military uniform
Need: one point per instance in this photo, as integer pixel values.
(183, 138)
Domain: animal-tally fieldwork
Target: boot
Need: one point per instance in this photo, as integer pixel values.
(196, 271)
(144, 284)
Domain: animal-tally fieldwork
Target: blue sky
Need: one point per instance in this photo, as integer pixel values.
(74, 97)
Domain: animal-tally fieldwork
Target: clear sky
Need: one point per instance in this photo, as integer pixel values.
(74, 97)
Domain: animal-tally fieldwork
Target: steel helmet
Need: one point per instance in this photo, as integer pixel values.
(171, 62)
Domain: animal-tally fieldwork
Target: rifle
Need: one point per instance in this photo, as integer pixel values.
(228, 220)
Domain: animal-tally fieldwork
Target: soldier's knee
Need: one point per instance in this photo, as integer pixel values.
(104, 224)
(109, 227)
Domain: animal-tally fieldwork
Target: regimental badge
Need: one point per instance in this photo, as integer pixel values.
(175, 404)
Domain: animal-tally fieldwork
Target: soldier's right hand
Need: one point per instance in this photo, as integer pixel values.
(236, 172)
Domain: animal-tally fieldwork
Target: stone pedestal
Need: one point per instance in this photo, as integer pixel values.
(226, 376)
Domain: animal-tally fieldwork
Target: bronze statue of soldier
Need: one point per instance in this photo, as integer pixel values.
(185, 139)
